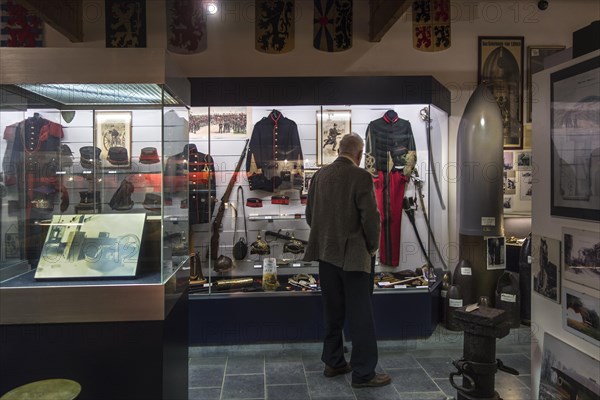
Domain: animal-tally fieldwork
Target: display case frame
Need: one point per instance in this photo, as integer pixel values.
(366, 98)
(147, 312)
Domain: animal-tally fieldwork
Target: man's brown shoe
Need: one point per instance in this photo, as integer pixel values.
(330, 372)
(378, 380)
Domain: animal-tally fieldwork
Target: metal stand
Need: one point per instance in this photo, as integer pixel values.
(478, 365)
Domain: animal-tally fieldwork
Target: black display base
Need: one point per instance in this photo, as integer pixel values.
(245, 318)
(111, 360)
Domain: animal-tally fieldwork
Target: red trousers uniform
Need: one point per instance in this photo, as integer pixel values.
(389, 191)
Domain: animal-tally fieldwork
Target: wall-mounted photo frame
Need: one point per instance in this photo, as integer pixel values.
(535, 63)
(575, 142)
(567, 372)
(496, 252)
(308, 175)
(332, 126)
(501, 64)
(523, 160)
(581, 259)
(113, 138)
(525, 182)
(546, 267)
(581, 315)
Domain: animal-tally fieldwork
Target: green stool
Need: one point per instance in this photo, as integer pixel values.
(47, 389)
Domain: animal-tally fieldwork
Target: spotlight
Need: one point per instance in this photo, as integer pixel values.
(542, 5)
(211, 8)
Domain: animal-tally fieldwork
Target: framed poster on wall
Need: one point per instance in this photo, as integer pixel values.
(501, 64)
(113, 137)
(332, 126)
(580, 315)
(575, 141)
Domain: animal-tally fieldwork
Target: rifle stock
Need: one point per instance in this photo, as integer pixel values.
(216, 225)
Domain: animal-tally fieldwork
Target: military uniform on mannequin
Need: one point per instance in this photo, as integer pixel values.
(390, 156)
(34, 161)
(274, 161)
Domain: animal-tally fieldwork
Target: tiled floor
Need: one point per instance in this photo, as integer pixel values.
(419, 370)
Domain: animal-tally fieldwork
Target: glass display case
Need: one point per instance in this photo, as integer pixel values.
(85, 199)
(266, 210)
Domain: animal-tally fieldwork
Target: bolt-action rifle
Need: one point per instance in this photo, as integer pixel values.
(216, 225)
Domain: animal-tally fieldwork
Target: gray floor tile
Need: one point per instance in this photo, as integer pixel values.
(287, 392)
(507, 393)
(205, 376)
(244, 387)
(204, 394)
(285, 373)
(411, 380)
(321, 387)
(437, 367)
(212, 361)
(507, 380)
(518, 362)
(446, 387)
(396, 360)
(525, 380)
(423, 396)
(312, 362)
(247, 364)
(284, 355)
(381, 393)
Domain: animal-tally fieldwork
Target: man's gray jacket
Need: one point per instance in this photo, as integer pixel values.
(343, 216)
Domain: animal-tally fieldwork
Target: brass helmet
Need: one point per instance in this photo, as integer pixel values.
(223, 264)
(293, 246)
(260, 247)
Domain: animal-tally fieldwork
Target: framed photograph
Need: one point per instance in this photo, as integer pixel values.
(91, 246)
(581, 261)
(566, 372)
(332, 125)
(496, 252)
(510, 182)
(575, 141)
(535, 63)
(505, 53)
(523, 160)
(546, 267)
(113, 138)
(525, 185)
(581, 315)
(508, 160)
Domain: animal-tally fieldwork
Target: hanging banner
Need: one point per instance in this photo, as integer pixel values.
(274, 26)
(19, 27)
(332, 30)
(431, 25)
(125, 23)
(186, 26)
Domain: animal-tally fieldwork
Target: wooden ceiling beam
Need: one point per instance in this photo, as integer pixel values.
(383, 15)
(65, 16)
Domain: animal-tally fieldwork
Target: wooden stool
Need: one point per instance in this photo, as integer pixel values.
(48, 389)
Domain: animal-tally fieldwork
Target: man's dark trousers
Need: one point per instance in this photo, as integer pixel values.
(347, 296)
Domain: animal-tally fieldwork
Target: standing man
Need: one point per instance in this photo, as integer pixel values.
(344, 236)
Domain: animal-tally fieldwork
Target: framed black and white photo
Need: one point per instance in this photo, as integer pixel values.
(525, 185)
(496, 252)
(581, 258)
(567, 372)
(308, 175)
(575, 141)
(332, 126)
(546, 267)
(113, 137)
(535, 63)
(523, 160)
(505, 53)
(509, 162)
(581, 315)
